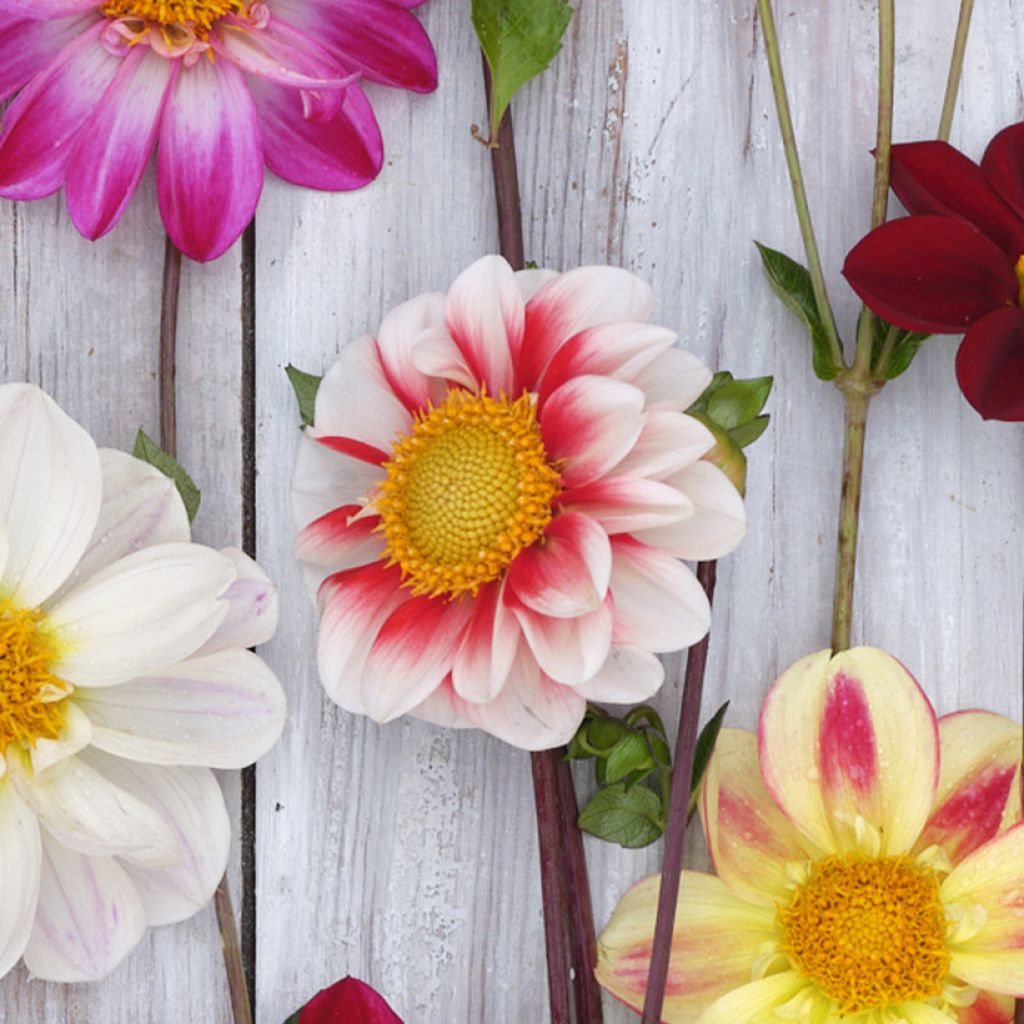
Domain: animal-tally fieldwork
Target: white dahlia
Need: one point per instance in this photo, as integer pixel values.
(124, 678)
(495, 498)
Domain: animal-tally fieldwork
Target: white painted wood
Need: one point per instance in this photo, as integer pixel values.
(404, 854)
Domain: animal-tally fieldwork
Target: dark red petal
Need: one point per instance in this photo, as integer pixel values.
(1003, 165)
(936, 274)
(348, 1002)
(990, 365)
(933, 177)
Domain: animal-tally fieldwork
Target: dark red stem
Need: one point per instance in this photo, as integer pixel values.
(168, 341)
(682, 776)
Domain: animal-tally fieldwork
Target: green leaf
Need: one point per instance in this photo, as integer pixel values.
(577, 749)
(149, 451)
(604, 733)
(739, 401)
(659, 749)
(630, 754)
(305, 386)
(903, 351)
(629, 817)
(792, 283)
(645, 713)
(747, 434)
(704, 749)
(520, 39)
(294, 1018)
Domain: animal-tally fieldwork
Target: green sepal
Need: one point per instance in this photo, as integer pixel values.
(630, 816)
(903, 351)
(305, 385)
(630, 755)
(703, 750)
(148, 451)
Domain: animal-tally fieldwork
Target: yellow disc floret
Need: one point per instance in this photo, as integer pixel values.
(465, 492)
(30, 694)
(198, 15)
(870, 933)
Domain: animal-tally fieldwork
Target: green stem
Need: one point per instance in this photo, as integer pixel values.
(888, 347)
(956, 67)
(796, 178)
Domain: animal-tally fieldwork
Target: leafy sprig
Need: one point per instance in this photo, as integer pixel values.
(148, 451)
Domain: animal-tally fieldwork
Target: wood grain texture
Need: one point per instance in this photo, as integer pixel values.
(405, 854)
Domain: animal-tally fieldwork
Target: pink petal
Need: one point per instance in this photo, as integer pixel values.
(114, 147)
(627, 504)
(436, 355)
(484, 316)
(488, 647)
(46, 9)
(570, 651)
(988, 1008)
(571, 303)
(47, 115)
(210, 163)
(628, 676)
(412, 654)
(354, 449)
(659, 605)
(566, 575)
(590, 424)
(339, 540)
(27, 46)
(396, 339)
(343, 153)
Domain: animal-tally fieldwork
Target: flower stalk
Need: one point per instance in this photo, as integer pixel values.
(682, 777)
(956, 67)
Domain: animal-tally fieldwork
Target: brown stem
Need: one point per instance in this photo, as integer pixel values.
(682, 778)
(237, 989)
(506, 187)
(168, 340)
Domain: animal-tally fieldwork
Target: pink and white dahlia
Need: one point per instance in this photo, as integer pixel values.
(869, 858)
(495, 498)
(217, 87)
(124, 678)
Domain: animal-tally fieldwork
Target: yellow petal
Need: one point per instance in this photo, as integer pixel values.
(988, 1008)
(717, 937)
(757, 1001)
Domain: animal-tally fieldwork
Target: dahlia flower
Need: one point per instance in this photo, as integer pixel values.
(348, 1001)
(223, 86)
(123, 679)
(495, 497)
(870, 864)
(957, 263)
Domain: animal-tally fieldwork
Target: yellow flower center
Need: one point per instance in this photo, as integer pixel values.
(869, 932)
(199, 15)
(465, 492)
(1019, 271)
(30, 694)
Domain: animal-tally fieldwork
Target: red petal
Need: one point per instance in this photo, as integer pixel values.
(1003, 165)
(990, 365)
(348, 1001)
(931, 273)
(933, 177)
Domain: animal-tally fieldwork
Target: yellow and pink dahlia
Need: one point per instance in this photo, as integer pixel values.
(869, 858)
(495, 499)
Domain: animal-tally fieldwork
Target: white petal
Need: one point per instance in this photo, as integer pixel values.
(669, 442)
(326, 479)
(221, 710)
(90, 917)
(88, 813)
(674, 380)
(396, 338)
(568, 650)
(20, 855)
(191, 803)
(253, 607)
(49, 492)
(148, 610)
(5, 546)
(74, 736)
(531, 281)
(628, 676)
(435, 354)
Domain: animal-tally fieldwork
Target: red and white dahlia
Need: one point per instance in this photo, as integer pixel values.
(495, 497)
(218, 87)
(124, 678)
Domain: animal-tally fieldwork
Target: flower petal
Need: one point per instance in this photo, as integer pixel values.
(715, 942)
(757, 1001)
(484, 314)
(396, 339)
(20, 856)
(436, 355)
(348, 1000)
(659, 605)
(987, 1009)
(591, 423)
(669, 442)
(343, 153)
(341, 539)
(570, 651)
(488, 647)
(192, 805)
(572, 302)
(629, 675)
(210, 161)
(718, 522)
(46, 8)
(933, 177)
(750, 839)
(75, 735)
(47, 115)
(979, 767)
(849, 741)
(116, 142)
(566, 575)
(531, 712)
(253, 607)
(325, 479)
(931, 273)
(86, 812)
(674, 380)
(990, 365)
(90, 917)
(219, 710)
(49, 493)
(993, 878)
(1003, 166)
(27, 46)
(628, 504)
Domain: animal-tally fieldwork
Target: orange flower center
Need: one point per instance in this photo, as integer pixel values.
(465, 492)
(30, 694)
(197, 15)
(870, 933)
